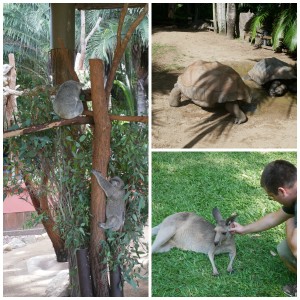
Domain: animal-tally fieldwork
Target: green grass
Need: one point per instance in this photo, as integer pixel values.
(160, 51)
(199, 181)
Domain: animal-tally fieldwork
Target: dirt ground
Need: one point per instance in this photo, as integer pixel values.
(27, 271)
(272, 122)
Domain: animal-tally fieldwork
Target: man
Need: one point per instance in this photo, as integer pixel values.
(279, 179)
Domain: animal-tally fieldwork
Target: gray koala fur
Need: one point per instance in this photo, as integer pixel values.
(67, 103)
(115, 205)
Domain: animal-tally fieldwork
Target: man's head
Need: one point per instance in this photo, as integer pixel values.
(279, 179)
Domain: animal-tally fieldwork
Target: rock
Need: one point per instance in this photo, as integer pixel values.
(7, 248)
(58, 286)
(30, 239)
(16, 243)
(45, 235)
(39, 237)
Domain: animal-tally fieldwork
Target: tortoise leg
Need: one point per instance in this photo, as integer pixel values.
(175, 96)
(234, 109)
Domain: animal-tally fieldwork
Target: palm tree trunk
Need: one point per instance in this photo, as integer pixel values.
(221, 17)
(215, 18)
(141, 98)
(231, 20)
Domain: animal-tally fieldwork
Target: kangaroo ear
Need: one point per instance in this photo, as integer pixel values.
(217, 215)
(231, 219)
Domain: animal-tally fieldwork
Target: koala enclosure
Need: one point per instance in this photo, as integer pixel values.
(101, 121)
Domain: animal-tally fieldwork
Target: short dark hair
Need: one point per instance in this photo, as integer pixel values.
(278, 173)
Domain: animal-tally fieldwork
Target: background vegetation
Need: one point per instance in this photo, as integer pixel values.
(197, 182)
(277, 19)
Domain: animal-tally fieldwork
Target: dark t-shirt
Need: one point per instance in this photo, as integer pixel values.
(291, 211)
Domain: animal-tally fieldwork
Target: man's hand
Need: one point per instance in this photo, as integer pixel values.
(236, 228)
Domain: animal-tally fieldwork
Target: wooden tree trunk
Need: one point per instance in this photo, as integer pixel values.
(215, 18)
(221, 15)
(100, 159)
(40, 203)
(231, 20)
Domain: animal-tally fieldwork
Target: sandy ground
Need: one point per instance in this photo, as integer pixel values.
(27, 271)
(272, 122)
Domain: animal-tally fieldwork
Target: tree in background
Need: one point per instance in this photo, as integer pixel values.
(279, 19)
(231, 20)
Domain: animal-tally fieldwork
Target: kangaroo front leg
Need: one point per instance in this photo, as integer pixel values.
(211, 256)
(231, 257)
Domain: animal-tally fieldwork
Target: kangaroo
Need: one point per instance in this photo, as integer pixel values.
(189, 231)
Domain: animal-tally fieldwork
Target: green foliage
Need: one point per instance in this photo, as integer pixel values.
(34, 220)
(73, 165)
(26, 33)
(64, 155)
(103, 42)
(128, 96)
(197, 182)
(58, 161)
(280, 19)
(286, 28)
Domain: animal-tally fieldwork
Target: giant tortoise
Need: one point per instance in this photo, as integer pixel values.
(209, 83)
(275, 75)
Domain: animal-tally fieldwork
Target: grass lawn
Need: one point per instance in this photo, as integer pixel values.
(197, 182)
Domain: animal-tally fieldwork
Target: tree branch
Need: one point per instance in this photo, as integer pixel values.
(93, 30)
(119, 51)
(120, 25)
(76, 121)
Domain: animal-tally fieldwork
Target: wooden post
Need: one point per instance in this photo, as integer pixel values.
(100, 160)
(62, 40)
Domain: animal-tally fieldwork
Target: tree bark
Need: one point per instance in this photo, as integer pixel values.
(215, 18)
(221, 17)
(76, 121)
(100, 159)
(11, 103)
(41, 205)
(121, 44)
(140, 64)
(82, 41)
(231, 20)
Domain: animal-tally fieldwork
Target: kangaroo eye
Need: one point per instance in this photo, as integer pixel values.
(224, 233)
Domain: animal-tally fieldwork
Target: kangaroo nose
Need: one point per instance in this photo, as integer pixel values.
(216, 243)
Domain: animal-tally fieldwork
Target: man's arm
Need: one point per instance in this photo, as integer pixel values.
(268, 221)
(291, 235)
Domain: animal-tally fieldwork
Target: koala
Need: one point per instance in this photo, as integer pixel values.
(67, 103)
(115, 205)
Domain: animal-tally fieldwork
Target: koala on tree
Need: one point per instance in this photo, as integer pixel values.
(67, 103)
(115, 205)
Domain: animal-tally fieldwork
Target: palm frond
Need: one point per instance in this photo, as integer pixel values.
(290, 38)
(257, 23)
(286, 29)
